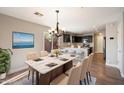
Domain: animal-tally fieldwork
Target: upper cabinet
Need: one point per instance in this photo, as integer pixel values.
(66, 38)
(77, 38)
(88, 38)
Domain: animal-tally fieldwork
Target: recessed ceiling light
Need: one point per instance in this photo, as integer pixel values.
(38, 14)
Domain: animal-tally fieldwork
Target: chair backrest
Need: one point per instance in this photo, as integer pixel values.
(84, 68)
(43, 53)
(90, 59)
(32, 55)
(74, 76)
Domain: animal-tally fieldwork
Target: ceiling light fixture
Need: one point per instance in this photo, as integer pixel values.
(56, 31)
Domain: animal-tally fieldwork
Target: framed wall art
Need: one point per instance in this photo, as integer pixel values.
(22, 40)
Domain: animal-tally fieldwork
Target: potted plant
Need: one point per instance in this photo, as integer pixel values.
(5, 59)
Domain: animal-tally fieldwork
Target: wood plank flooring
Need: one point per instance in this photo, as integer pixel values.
(106, 75)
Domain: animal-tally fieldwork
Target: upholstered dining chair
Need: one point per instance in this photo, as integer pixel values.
(32, 56)
(84, 70)
(73, 65)
(90, 60)
(43, 53)
(72, 79)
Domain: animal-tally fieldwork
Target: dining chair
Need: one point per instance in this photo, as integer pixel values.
(74, 63)
(90, 60)
(32, 56)
(84, 70)
(72, 79)
(43, 53)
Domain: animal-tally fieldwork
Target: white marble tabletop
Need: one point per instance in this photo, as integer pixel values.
(41, 66)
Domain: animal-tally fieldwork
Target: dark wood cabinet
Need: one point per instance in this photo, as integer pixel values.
(87, 38)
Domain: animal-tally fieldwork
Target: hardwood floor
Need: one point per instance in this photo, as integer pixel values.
(106, 75)
(99, 58)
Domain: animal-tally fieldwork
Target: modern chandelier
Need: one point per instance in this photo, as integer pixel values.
(56, 31)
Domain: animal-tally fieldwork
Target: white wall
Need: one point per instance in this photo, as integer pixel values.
(10, 24)
(122, 72)
(115, 48)
(121, 44)
(111, 44)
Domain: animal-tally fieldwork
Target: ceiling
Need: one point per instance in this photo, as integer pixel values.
(74, 19)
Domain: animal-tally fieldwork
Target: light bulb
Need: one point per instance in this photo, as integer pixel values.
(55, 32)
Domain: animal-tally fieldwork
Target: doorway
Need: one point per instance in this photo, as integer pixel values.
(104, 48)
(100, 47)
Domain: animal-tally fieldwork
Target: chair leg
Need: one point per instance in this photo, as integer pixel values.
(32, 77)
(28, 74)
(80, 82)
(87, 78)
(85, 81)
(89, 75)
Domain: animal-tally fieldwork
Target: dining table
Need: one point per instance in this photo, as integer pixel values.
(47, 68)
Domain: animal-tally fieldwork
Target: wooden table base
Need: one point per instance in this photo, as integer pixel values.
(45, 79)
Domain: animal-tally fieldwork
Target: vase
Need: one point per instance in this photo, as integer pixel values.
(3, 76)
(56, 55)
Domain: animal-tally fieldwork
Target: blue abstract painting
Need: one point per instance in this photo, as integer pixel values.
(22, 40)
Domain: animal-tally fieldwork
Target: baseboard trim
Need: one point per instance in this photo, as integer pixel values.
(122, 75)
